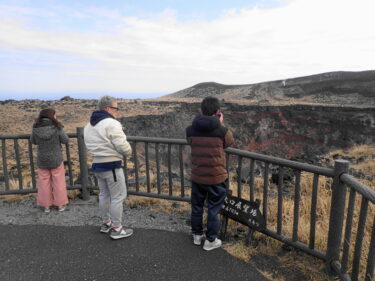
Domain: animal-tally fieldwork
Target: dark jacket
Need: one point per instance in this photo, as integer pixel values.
(49, 139)
(208, 138)
(98, 116)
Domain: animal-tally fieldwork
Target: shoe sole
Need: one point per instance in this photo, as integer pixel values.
(105, 231)
(122, 236)
(209, 249)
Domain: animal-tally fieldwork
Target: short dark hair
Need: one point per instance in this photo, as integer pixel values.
(210, 105)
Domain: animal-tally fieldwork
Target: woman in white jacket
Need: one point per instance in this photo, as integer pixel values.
(106, 140)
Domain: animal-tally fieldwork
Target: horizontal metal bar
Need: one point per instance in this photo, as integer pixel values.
(146, 194)
(160, 196)
(18, 191)
(130, 192)
(27, 136)
(34, 190)
(159, 140)
(17, 136)
(282, 162)
(362, 189)
(130, 138)
(303, 247)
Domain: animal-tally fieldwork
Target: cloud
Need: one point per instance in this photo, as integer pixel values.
(242, 46)
(21, 11)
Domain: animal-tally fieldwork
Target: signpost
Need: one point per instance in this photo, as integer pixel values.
(244, 212)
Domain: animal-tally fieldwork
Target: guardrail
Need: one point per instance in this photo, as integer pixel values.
(159, 168)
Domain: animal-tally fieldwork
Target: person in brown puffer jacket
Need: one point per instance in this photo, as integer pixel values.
(208, 137)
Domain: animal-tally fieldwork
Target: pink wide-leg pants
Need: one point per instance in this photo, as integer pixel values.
(52, 187)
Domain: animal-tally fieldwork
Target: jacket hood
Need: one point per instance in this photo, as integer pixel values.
(45, 129)
(98, 116)
(206, 123)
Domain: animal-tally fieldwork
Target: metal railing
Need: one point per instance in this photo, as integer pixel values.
(160, 168)
(367, 197)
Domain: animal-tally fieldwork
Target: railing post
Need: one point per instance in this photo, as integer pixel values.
(336, 219)
(82, 154)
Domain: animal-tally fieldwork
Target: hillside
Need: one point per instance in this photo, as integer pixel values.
(300, 121)
(333, 88)
(303, 124)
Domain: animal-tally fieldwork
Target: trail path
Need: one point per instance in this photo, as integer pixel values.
(68, 246)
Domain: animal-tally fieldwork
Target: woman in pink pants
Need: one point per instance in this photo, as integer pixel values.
(48, 134)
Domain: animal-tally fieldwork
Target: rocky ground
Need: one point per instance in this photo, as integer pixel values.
(81, 212)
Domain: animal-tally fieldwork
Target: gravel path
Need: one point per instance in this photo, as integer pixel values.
(79, 213)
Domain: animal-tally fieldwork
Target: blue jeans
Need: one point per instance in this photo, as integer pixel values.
(215, 196)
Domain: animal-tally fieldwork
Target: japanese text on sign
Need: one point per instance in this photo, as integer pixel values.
(243, 211)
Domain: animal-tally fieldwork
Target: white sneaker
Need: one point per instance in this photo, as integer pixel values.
(208, 246)
(197, 239)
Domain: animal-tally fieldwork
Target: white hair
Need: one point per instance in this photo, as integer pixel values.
(106, 101)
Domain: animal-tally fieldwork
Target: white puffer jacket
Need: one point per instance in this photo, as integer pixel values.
(106, 141)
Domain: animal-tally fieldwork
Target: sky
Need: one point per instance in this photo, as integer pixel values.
(149, 48)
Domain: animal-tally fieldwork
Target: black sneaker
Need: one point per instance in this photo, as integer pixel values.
(121, 233)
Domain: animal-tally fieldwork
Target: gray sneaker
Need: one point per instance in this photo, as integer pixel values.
(105, 228)
(121, 233)
(197, 239)
(208, 246)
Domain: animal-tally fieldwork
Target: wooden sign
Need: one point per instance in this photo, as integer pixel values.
(244, 212)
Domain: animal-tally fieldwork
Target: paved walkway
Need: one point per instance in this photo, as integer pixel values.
(40, 252)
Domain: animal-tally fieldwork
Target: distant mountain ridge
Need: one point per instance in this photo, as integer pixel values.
(331, 88)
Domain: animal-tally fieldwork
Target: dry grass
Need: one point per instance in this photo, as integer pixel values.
(135, 201)
(73, 194)
(323, 207)
(240, 251)
(310, 266)
(366, 166)
(18, 116)
(275, 263)
(16, 198)
(158, 205)
(292, 264)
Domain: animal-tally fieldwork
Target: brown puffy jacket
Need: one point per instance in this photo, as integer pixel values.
(208, 138)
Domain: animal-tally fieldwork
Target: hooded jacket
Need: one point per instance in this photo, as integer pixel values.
(208, 138)
(105, 138)
(49, 139)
